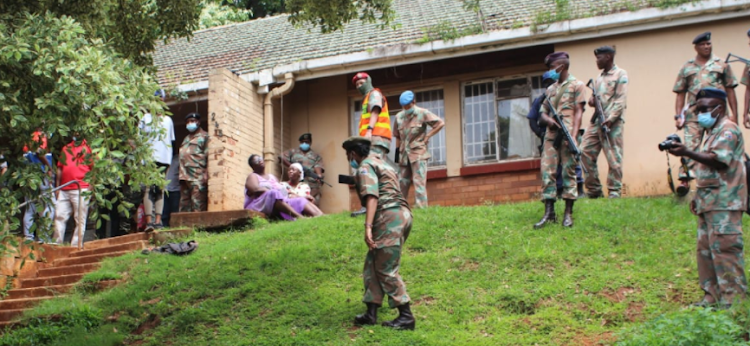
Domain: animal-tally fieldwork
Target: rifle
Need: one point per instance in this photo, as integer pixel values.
(736, 58)
(598, 112)
(563, 132)
(311, 174)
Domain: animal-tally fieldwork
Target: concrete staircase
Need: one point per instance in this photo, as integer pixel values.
(62, 273)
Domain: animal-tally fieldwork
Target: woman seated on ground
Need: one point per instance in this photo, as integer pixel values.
(295, 186)
(263, 193)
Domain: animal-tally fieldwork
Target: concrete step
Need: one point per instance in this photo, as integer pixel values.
(136, 245)
(10, 315)
(96, 258)
(8, 325)
(96, 244)
(68, 270)
(37, 292)
(21, 303)
(210, 220)
(50, 281)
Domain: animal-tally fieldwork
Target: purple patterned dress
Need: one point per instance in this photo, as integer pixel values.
(264, 203)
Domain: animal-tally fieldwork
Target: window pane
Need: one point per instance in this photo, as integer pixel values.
(432, 100)
(479, 123)
(356, 116)
(516, 141)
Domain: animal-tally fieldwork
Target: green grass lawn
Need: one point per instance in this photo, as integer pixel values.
(476, 275)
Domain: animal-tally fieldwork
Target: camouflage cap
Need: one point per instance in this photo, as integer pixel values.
(604, 50)
(706, 36)
(350, 142)
(555, 56)
(712, 93)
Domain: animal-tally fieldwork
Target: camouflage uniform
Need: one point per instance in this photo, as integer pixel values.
(310, 160)
(390, 230)
(193, 174)
(411, 130)
(573, 93)
(691, 79)
(612, 87)
(719, 202)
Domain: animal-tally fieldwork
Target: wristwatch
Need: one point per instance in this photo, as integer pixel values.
(370, 128)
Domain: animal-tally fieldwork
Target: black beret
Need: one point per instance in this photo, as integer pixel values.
(305, 137)
(555, 56)
(712, 93)
(193, 115)
(604, 50)
(706, 36)
(352, 141)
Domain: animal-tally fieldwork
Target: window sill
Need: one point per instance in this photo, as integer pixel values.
(513, 166)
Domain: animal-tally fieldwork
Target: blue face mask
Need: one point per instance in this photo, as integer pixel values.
(554, 75)
(705, 119)
(354, 164)
(192, 127)
(304, 146)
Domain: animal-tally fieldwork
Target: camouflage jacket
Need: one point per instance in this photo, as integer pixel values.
(693, 77)
(194, 157)
(411, 130)
(612, 87)
(722, 189)
(746, 76)
(573, 92)
(376, 178)
(309, 159)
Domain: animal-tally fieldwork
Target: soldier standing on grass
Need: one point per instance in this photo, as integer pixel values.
(703, 71)
(612, 88)
(193, 167)
(412, 140)
(720, 200)
(387, 225)
(309, 159)
(567, 96)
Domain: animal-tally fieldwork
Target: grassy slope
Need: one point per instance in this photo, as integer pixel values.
(477, 275)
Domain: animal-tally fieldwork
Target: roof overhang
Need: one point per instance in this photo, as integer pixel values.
(558, 32)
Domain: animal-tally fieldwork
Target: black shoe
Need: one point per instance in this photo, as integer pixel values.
(149, 227)
(549, 214)
(404, 321)
(359, 212)
(368, 318)
(568, 216)
(158, 226)
(580, 189)
(594, 195)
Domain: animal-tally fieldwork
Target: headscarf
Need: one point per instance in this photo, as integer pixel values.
(299, 168)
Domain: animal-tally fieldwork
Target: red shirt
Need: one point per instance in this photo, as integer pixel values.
(75, 167)
(39, 138)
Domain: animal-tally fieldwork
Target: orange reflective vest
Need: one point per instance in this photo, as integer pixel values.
(383, 126)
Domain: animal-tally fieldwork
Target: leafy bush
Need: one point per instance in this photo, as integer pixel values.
(47, 330)
(691, 327)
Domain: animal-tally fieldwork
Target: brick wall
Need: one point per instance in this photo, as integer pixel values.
(494, 188)
(235, 123)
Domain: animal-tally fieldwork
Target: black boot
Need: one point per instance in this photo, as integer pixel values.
(404, 321)
(370, 317)
(549, 214)
(568, 216)
(359, 212)
(580, 190)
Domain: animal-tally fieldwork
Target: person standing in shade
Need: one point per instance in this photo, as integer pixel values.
(172, 199)
(703, 71)
(42, 158)
(193, 167)
(720, 200)
(388, 221)
(74, 163)
(412, 140)
(612, 88)
(309, 159)
(161, 129)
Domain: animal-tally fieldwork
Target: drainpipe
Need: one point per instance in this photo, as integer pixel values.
(269, 152)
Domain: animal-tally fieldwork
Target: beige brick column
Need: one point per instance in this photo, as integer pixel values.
(235, 124)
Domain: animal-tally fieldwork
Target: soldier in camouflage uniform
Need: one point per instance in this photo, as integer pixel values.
(412, 140)
(612, 88)
(703, 71)
(567, 96)
(746, 82)
(720, 200)
(309, 159)
(387, 226)
(193, 163)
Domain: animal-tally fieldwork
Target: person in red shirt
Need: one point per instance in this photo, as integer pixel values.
(73, 164)
(38, 156)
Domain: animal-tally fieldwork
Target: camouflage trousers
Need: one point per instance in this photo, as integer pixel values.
(551, 157)
(193, 196)
(414, 172)
(693, 139)
(379, 149)
(381, 271)
(593, 143)
(721, 262)
(314, 190)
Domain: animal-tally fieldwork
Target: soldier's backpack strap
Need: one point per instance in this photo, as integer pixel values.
(747, 182)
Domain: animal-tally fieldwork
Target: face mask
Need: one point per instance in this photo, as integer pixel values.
(74, 139)
(705, 119)
(354, 164)
(410, 111)
(554, 75)
(192, 127)
(366, 87)
(304, 146)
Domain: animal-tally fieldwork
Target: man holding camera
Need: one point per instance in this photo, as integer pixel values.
(720, 200)
(703, 71)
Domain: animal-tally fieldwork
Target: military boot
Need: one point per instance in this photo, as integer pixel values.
(568, 216)
(404, 321)
(549, 214)
(580, 190)
(370, 317)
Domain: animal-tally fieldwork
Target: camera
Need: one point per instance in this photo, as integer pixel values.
(669, 142)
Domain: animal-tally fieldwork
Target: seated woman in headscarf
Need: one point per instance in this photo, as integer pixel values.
(263, 193)
(295, 186)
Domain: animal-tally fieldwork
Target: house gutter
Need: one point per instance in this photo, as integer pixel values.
(269, 151)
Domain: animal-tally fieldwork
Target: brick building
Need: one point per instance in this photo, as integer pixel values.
(262, 83)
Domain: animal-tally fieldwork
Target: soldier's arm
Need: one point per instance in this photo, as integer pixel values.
(436, 123)
(679, 103)
(577, 116)
(376, 104)
(732, 99)
(619, 103)
(285, 158)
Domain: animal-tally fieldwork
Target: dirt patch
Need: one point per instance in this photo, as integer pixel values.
(470, 266)
(351, 330)
(151, 322)
(592, 340)
(634, 312)
(620, 294)
(424, 300)
(149, 302)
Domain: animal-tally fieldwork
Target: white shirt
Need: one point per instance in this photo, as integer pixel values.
(162, 143)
